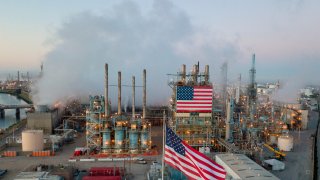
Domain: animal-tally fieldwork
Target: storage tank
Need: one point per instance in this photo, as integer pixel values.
(285, 143)
(119, 137)
(106, 140)
(32, 140)
(133, 139)
(144, 140)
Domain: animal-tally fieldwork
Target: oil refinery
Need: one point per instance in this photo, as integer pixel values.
(239, 126)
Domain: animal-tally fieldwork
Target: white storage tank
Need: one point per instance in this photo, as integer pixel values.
(285, 143)
(32, 140)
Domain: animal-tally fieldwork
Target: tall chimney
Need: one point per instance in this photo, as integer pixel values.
(18, 76)
(133, 96)
(194, 73)
(183, 73)
(144, 103)
(206, 74)
(106, 98)
(119, 93)
(28, 77)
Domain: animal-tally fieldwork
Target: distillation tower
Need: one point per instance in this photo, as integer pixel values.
(252, 91)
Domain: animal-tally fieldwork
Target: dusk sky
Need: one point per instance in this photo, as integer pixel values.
(160, 36)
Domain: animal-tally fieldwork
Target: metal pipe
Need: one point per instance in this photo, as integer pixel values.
(119, 92)
(206, 74)
(106, 98)
(133, 96)
(144, 103)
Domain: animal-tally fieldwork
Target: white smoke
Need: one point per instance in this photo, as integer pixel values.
(129, 41)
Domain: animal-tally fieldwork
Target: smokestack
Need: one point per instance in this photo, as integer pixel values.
(133, 96)
(238, 89)
(106, 98)
(119, 93)
(183, 73)
(144, 103)
(194, 73)
(18, 76)
(28, 77)
(206, 74)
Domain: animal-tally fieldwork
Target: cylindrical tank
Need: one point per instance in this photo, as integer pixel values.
(144, 140)
(133, 138)
(32, 140)
(106, 140)
(285, 143)
(119, 136)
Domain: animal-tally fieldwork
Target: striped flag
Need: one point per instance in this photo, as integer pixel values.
(194, 99)
(191, 162)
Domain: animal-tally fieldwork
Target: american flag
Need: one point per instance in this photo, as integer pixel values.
(191, 162)
(194, 99)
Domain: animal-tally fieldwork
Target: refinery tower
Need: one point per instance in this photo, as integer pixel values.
(191, 105)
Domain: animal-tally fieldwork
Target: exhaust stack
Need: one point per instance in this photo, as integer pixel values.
(144, 103)
(133, 96)
(119, 92)
(183, 73)
(195, 74)
(106, 98)
(206, 74)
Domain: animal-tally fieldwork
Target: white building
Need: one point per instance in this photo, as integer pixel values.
(239, 166)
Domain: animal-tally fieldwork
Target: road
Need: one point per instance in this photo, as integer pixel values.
(299, 161)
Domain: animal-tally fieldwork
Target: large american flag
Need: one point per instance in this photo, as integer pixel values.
(191, 162)
(194, 99)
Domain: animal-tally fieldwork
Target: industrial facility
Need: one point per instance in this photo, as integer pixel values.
(240, 126)
(195, 127)
(117, 133)
(239, 119)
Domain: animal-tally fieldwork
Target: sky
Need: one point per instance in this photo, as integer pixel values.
(75, 38)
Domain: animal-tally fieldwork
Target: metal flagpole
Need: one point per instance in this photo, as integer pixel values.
(163, 141)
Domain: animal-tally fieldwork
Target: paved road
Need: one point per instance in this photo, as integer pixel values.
(299, 162)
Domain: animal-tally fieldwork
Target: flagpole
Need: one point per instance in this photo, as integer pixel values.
(163, 141)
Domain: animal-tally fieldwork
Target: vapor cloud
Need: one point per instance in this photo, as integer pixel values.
(129, 40)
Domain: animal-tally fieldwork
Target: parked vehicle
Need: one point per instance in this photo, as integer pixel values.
(3, 172)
